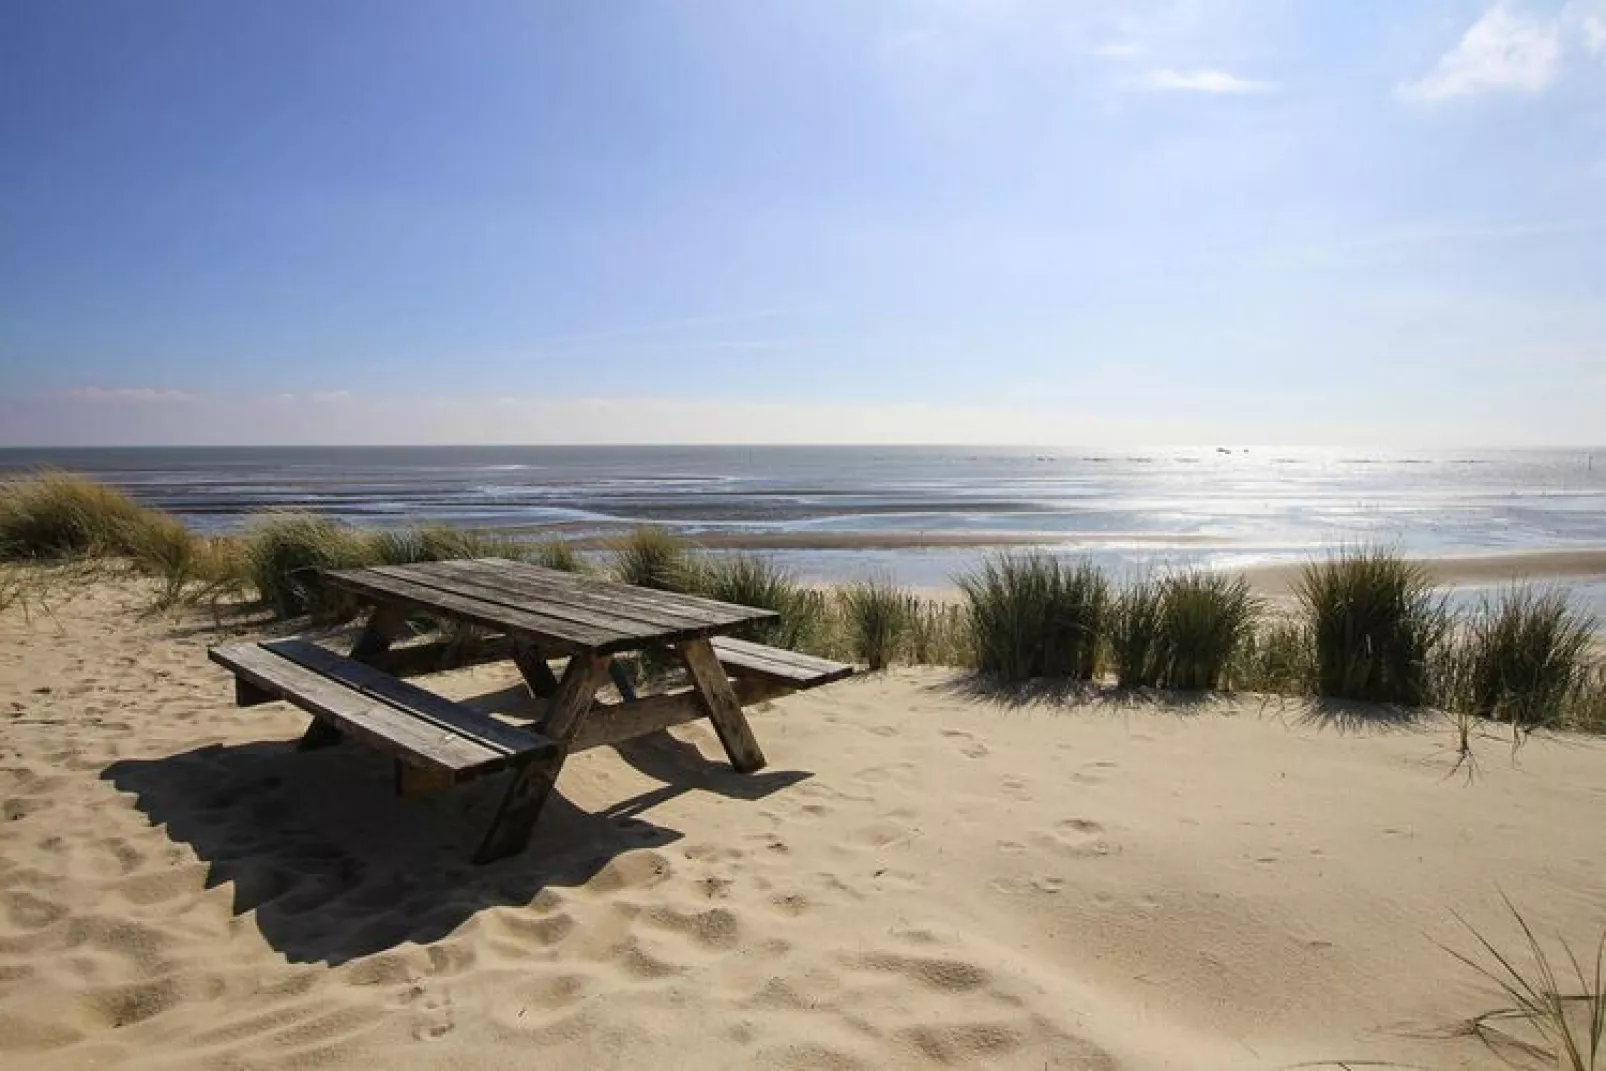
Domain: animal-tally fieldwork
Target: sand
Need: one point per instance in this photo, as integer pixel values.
(924, 876)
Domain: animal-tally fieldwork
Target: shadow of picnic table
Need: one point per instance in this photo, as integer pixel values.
(335, 866)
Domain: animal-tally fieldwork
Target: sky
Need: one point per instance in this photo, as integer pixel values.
(1352, 222)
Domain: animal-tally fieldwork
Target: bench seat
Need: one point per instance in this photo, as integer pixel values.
(779, 670)
(420, 728)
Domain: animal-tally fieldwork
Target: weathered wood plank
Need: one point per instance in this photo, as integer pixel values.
(673, 601)
(419, 780)
(659, 609)
(427, 706)
(489, 588)
(743, 658)
(724, 710)
(361, 715)
(534, 669)
(617, 722)
(565, 637)
(439, 656)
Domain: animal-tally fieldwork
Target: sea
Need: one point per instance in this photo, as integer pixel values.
(1128, 509)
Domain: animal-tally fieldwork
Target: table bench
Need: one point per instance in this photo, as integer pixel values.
(538, 613)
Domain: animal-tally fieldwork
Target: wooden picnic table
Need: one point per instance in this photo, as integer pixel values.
(544, 614)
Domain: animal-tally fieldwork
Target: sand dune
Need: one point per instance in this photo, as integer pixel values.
(925, 876)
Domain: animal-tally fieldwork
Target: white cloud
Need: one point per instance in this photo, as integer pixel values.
(1503, 50)
(127, 394)
(1203, 81)
(1590, 17)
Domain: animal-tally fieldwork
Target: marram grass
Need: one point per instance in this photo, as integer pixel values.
(1368, 625)
(1376, 624)
(1033, 615)
(878, 617)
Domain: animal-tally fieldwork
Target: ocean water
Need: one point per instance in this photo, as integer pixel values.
(1127, 508)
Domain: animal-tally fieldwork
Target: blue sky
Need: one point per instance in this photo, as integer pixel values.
(1356, 221)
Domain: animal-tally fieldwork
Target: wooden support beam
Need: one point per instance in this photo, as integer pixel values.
(713, 687)
(533, 782)
(534, 669)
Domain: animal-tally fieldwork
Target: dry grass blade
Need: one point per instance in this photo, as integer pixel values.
(1537, 999)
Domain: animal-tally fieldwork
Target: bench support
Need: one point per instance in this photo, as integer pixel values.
(532, 782)
(724, 709)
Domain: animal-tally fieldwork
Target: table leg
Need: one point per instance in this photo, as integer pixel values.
(724, 709)
(532, 783)
(533, 668)
(384, 627)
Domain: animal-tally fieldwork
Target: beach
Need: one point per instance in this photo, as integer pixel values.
(927, 874)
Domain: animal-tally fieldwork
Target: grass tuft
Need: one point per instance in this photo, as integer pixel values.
(1375, 625)
(1525, 658)
(1032, 615)
(557, 554)
(753, 580)
(655, 558)
(877, 617)
(286, 553)
(58, 515)
(1137, 618)
(1205, 619)
(1571, 1025)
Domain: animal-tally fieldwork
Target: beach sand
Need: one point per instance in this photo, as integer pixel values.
(923, 876)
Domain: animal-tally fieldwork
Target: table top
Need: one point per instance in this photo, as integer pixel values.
(562, 612)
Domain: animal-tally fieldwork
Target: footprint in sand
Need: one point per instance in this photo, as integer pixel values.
(1080, 838)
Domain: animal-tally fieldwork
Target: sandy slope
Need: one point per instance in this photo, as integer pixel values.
(921, 877)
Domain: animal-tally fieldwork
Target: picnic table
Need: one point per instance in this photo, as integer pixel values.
(541, 615)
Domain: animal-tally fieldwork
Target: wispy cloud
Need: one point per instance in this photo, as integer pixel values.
(128, 394)
(1203, 81)
(1591, 19)
(1506, 50)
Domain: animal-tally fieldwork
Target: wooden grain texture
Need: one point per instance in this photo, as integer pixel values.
(363, 716)
(724, 710)
(534, 669)
(425, 705)
(486, 586)
(561, 612)
(662, 609)
(440, 656)
(414, 780)
(564, 637)
(615, 723)
(533, 782)
(744, 659)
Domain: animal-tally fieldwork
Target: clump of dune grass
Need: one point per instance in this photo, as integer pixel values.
(287, 554)
(655, 558)
(438, 543)
(1137, 616)
(1375, 625)
(754, 580)
(1205, 618)
(161, 546)
(57, 515)
(877, 615)
(1033, 615)
(1275, 657)
(1568, 1015)
(1524, 657)
(937, 634)
(556, 554)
